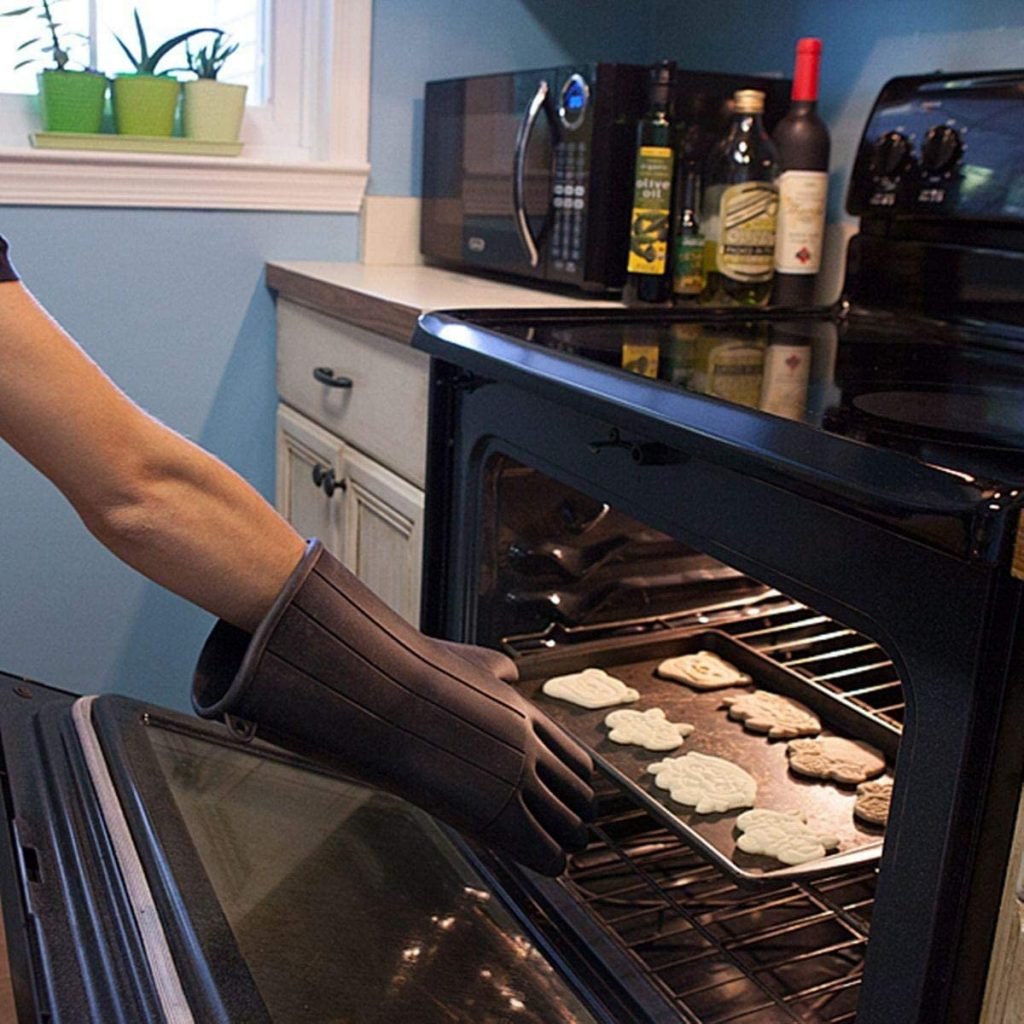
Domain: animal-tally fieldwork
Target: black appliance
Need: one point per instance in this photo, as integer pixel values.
(852, 529)
(530, 173)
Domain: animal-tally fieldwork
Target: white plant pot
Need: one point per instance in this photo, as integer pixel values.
(213, 110)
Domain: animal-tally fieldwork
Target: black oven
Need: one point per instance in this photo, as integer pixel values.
(844, 522)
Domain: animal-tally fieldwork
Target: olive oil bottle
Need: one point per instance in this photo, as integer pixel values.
(740, 209)
(647, 266)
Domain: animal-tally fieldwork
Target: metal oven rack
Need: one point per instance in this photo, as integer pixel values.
(719, 953)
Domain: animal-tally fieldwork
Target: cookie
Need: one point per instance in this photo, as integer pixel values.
(649, 729)
(703, 671)
(835, 758)
(784, 835)
(709, 784)
(778, 716)
(591, 688)
(873, 799)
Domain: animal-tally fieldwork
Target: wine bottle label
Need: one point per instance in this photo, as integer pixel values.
(688, 265)
(652, 200)
(801, 228)
(746, 244)
(787, 370)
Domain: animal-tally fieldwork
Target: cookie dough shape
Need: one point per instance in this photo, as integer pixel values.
(784, 835)
(703, 671)
(873, 800)
(780, 717)
(832, 757)
(709, 784)
(649, 729)
(591, 688)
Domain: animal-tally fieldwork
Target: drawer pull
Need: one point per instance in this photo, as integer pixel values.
(324, 478)
(326, 375)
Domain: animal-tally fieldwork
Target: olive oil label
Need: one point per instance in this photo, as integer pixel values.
(688, 266)
(732, 370)
(641, 358)
(652, 199)
(746, 244)
(801, 227)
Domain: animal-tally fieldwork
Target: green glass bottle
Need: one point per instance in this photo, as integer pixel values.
(647, 266)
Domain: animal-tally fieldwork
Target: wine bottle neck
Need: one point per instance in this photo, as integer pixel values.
(806, 71)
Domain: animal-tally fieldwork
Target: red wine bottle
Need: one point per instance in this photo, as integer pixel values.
(801, 139)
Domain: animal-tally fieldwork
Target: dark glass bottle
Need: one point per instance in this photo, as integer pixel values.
(647, 266)
(740, 208)
(687, 240)
(801, 138)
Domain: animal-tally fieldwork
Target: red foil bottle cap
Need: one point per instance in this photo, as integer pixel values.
(808, 65)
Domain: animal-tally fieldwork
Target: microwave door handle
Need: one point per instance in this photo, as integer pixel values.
(519, 177)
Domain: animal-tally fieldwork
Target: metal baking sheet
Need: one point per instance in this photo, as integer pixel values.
(826, 804)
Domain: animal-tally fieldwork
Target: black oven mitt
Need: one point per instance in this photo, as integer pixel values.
(335, 675)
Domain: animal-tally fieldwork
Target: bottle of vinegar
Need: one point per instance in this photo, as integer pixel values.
(687, 240)
(801, 138)
(740, 208)
(648, 263)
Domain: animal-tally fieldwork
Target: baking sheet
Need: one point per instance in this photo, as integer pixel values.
(826, 804)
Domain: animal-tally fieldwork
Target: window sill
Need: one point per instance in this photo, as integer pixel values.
(30, 177)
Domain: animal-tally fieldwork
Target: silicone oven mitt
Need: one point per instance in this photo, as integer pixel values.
(335, 675)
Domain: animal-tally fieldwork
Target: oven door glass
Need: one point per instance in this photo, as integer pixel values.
(345, 903)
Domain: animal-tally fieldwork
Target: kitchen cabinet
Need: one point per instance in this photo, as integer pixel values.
(351, 447)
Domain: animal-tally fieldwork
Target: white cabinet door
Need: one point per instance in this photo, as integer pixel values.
(384, 533)
(304, 449)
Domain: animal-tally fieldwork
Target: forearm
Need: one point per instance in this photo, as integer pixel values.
(157, 501)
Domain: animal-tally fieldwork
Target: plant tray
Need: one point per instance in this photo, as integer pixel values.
(133, 144)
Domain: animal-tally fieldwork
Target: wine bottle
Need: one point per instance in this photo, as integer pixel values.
(740, 209)
(801, 138)
(687, 240)
(648, 266)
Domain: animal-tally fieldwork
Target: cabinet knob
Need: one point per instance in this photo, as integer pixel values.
(325, 375)
(324, 478)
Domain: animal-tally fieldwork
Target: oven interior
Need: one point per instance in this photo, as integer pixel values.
(563, 575)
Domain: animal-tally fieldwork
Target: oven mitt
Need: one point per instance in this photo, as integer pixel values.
(335, 675)
(484, 658)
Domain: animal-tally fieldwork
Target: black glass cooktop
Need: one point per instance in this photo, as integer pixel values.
(950, 396)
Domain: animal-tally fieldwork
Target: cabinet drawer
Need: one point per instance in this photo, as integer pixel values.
(383, 413)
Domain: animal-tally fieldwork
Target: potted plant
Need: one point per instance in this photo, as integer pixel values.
(69, 100)
(212, 110)
(145, 101)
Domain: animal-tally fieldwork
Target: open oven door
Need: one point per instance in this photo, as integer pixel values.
(164, 869)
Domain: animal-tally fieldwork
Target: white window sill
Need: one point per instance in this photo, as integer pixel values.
(73, 178)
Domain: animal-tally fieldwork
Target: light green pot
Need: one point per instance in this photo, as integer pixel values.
(213, 110)
(145, 104)
(71, 101)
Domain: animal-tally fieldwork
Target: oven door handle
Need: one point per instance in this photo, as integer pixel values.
(526, 127)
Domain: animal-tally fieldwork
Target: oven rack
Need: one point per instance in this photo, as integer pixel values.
(721, 953)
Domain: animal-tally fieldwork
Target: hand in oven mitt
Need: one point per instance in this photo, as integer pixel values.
(334, 674)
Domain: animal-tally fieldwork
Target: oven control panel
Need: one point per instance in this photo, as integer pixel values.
(946, 146)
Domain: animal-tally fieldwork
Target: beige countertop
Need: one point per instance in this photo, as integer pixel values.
(388, 299)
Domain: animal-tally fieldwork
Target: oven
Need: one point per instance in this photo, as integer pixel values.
(840, 519)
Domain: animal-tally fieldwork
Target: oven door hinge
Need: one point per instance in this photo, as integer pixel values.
(463, 380)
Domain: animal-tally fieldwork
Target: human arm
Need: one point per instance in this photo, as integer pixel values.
(156, 500)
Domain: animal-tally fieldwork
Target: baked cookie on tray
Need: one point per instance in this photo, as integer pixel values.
(873, 800)
(709, 784)
(780, 717)
(836, 759)
(592, 688)
(703, 670)
(649, 729)
(784, 835)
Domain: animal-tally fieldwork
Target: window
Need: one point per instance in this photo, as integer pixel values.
(307, 66)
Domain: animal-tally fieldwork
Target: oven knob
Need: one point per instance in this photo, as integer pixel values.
(941, 149)
(890, 156)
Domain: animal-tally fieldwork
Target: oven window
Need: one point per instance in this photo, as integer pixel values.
(568, 583)
(346, 904)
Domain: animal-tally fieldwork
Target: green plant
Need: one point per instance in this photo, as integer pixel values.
(208, 62)
(146, 63)
(49, 42)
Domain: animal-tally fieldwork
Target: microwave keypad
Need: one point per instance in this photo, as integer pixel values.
(569, 202)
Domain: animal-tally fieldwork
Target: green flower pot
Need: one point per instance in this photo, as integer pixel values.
(212, 111)
(145, 104)
(72, 101)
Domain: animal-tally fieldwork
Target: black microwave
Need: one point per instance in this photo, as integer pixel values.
(530, 173)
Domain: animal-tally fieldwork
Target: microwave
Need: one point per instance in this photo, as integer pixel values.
(530, 173)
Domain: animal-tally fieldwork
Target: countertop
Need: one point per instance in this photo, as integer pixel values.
(388, 299)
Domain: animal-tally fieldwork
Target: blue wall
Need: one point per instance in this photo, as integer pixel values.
(172, 303)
